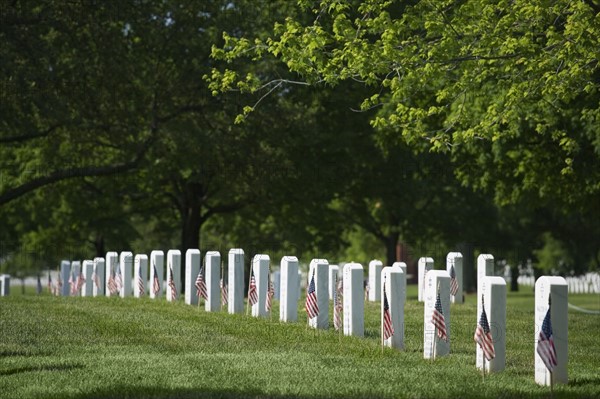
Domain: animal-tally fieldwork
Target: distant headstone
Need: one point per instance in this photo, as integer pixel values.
(112, 262)
(126, 264)
(75, 272)
(98, 277)
(393, 281)
(319, 268)
(289, 293)
(551, 306)
(140, 276)
(173, 290)
(276, 276)
(235, 270)
(485, 267)
(4, 284)
(375, 267)
(435, 342)
(454, 260)
(404, 268)
(155, 284)
(212, 276)
(334, 271)
(65, 272)
(424, 266)
(260, 267)
(354, 302)
(192, 268)
(88, 271)
(493, 290)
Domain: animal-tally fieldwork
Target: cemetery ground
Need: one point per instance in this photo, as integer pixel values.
(75, 347)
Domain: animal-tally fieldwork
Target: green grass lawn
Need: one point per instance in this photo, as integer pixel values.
(52, 347)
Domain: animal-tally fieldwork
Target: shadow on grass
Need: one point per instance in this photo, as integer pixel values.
(49, 367)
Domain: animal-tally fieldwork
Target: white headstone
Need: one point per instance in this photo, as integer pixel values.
(5, 285)
(375, 267)
(425, 265)
(112, 261)
(157, 262)
(65, 272)
(394, 284)
(455, 260)
(260, 268)
(235, 271)
(126, 264)
(334, 271)
(88, 271)
(192, 268)
(493, 290)
(98, 277)
(485, 267)
(288, 300)
(433, 346)
(212, 276)
(404, 268)
(319, 268)
(556, 289)
(354, 302)
(140, 276)
(173, 274)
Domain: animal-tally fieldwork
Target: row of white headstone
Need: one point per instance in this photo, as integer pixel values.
(588, 283)
(389, 281)
(4, 284)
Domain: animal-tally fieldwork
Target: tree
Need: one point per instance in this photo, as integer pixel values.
(509, 90)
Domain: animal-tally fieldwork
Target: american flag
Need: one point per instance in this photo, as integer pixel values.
(252, 294)
(337, 305)
(545, 346)
(140, 281)
(201, 285)
(312, 308)
(73, 283)
(155, 281)
(95, 277)
(270, 294)
(453, 281)
(483, 336)
(112, 287)
(223, 292)
(50, 290)
(80, 281)
(367, 288)
(438, 318)
(388, 328)
(118, 279)
(172, 285)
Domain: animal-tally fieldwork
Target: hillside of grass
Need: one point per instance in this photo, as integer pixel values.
(54, 347)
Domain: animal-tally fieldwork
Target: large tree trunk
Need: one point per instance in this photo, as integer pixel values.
(191, 220)
(99, 246)
(391, 242)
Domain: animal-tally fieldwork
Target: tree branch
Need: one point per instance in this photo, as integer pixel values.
(64, 174)
(29, 136)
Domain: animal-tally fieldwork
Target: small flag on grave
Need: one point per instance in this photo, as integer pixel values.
(112, 287)
(270, 293)
(80, 281)
(140, 282)
(172, 285)
(337, 305)
(312, 308)
(155, 281)
(453, 281)
(545, 346)
(252, 294)
(50, 290)
(483, 335)
(388, 328)
(201, 285)
(118, 279)
(437, 318)
(73, 283)
(223, 292)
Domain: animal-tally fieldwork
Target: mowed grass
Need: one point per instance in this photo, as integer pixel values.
(52, 347)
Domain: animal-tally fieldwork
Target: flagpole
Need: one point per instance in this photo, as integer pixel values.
(382, 316)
